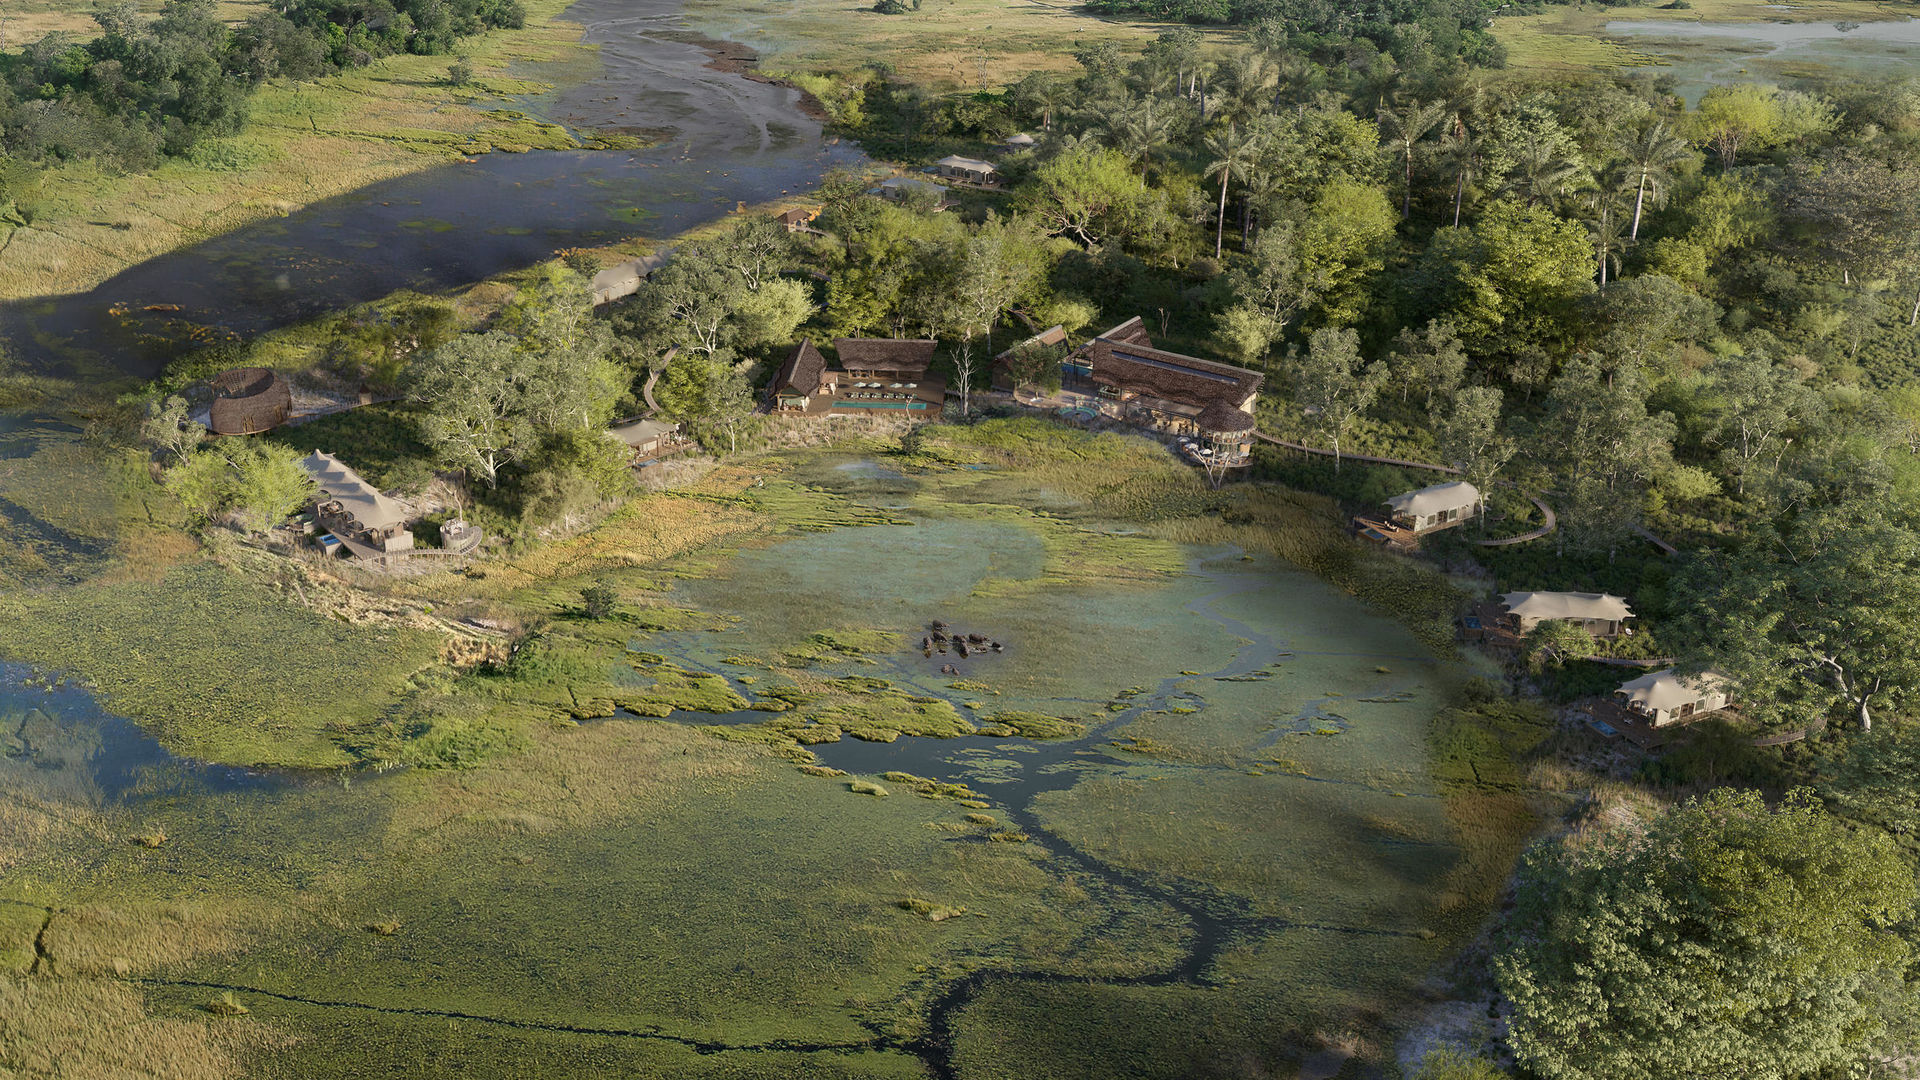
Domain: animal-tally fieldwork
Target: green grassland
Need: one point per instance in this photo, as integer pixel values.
(303, 142)
(946, 45)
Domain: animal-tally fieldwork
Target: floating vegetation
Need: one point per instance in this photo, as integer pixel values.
(982, 819)
(1148, 746)
(822, 770)
(1398, 697)
(975, 804)
(867, 787)
(1033, 725)
(929, 910)
(226, 1005)
(151, 839)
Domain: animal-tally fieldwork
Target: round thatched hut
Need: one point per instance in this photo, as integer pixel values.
(1228, 429)
(249, 400)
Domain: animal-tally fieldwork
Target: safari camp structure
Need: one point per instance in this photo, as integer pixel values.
(623, 279)
(647, 439)
(969, 171)
(1501, 623)
(876, 376)
(356, 514)
(798, 219)
(1663, 698)
(1601, 614)
(248, 401)
(1121, 375)
(1415, 514)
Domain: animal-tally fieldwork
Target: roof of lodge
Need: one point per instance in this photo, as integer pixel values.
(339, 483)
(642, 431)
(1052, 335)
(802, 370)
(1125, 357)
(1664, 691)
(799, 214)
(1567, 605)
(1224, 419)
(965, 164)
(884, 354)
(1448, 496)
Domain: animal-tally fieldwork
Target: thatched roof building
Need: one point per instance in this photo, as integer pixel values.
(247, 401)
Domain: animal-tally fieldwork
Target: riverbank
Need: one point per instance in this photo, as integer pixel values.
(303, 143)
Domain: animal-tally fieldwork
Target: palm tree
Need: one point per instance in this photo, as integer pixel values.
(1403, 129)
(1467, 149)
(1138, 133)
(1543, 174)
(1606, 212)
(1246, 85)
(1651, 156)
(1043, 95)
(1233, 153)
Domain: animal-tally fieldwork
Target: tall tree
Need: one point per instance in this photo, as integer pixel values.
(1333, 384)
(472, 393)
(1821, 615)
(1731, 939)
(1403, 128)
(1473, 438)
(1651, 154)
(1231, 155)
(1431, 360)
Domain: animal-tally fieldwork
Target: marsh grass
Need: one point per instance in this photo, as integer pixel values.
(218, 667)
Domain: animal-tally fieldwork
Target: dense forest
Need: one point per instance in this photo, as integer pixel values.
(148, 88)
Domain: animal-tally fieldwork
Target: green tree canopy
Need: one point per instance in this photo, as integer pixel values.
(1730, 939)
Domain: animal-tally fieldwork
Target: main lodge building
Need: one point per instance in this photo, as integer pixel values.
(875, 376)
(1127, 378)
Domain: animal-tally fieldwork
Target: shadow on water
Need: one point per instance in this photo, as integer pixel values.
(730, 140)
(57, 732)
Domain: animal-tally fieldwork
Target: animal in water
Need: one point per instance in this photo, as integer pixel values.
(962, 646)
(997, 647)
(939, 635)
(926, 643)
(938, 625)
(949, 669)
(942, 646)
(977, 639)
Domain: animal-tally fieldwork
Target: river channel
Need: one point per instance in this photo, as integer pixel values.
(728, 140)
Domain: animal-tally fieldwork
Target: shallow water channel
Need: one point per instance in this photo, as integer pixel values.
(1702, 55)
(728, 140)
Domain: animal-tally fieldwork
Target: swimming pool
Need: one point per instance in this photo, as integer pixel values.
(1078, 413)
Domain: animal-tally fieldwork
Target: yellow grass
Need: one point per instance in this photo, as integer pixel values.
(93, 1029)
(303, 143)
(947, 45)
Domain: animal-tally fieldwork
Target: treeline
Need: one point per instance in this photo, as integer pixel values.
(145, 89)
(1355, 32)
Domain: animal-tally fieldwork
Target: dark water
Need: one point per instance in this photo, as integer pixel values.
(56, 739)
(732, 140)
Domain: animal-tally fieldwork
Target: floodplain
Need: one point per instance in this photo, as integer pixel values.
(1200, 809)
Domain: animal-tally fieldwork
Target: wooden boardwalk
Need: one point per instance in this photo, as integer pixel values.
(1549, 520)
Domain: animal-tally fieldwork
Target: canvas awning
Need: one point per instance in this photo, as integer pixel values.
(357, 498)
(1603, 607)
(1664, 691)
(1454, 495)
